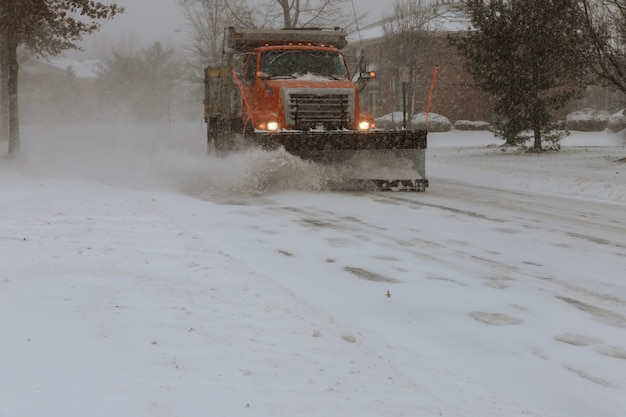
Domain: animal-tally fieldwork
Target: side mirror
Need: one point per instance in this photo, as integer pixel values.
(367, 75)
(364, 77)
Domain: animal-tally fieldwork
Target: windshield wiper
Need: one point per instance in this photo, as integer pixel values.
(280, 77)
(323, 75)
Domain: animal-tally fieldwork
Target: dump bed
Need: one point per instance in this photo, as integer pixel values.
(244, 39)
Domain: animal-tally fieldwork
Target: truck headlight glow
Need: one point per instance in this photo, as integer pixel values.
(272, 126)
(364, 125)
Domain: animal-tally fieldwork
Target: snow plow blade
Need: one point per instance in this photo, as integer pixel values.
(380, 160)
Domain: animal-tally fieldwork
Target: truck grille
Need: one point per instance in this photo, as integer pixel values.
(319, 108)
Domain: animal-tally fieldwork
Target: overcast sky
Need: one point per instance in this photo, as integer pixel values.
(152, 20)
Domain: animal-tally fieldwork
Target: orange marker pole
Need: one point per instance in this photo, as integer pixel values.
(430, 96)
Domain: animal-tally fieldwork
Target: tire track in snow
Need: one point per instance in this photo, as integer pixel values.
(593, 222)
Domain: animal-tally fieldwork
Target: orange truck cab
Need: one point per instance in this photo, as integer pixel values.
(299, 88)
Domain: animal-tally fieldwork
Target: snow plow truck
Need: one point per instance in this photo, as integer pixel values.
(292, 88)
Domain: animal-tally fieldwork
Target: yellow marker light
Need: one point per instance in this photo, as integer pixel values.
(364, 125)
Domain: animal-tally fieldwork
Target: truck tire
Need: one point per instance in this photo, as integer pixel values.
(248, 131)
(211, 133)
(219, 136)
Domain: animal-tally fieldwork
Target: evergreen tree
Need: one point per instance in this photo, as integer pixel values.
(140, 84)
(46, 27)
(528, 54)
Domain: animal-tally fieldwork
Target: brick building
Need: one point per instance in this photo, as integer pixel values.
(454, 96)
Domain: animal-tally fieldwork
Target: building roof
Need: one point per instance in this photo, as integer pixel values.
(86, 68)
(446, 19)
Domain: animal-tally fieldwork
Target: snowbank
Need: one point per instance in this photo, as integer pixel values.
(471, 125)
(587, 120)
(436, 122)
(617, 121)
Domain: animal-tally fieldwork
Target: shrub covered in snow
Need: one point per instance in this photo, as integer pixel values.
(587, 120)
(436, 122)
(390, 121)
(617, 121)
(471, 125)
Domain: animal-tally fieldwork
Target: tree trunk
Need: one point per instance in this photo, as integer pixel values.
(536, 122)
(537, 144)
(290, 21)
(12, 70)
(4, 91)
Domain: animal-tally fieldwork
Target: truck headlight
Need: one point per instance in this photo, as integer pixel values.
(364, 125)
(272, 126)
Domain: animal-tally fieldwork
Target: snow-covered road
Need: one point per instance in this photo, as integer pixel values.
(133, 283)
(488, 288)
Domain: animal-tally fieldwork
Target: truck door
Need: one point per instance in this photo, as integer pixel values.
(250, 69)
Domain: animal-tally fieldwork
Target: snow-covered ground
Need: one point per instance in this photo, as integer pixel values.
(140, 277)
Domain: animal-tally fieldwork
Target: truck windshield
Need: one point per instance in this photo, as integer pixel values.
(299, 63)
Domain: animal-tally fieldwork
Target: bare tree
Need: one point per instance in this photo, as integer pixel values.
(305, 13)
(605, 30)
(208, 18)
(46, 27)
(406, 32)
